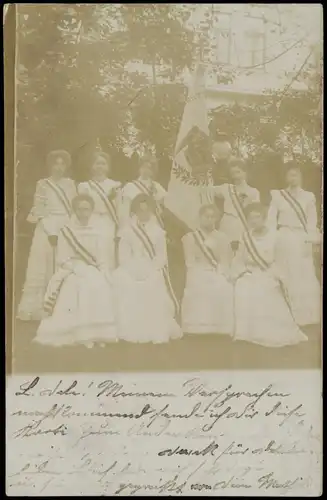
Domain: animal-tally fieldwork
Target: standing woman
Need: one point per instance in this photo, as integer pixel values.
(144, 184)
(79, 298)
(105, 194)
(235, 197)
(51, 210)
(262, 309)
(293, 211)
(207, 305)
(147, 306)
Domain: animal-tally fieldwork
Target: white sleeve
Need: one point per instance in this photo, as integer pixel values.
(272, 216)
(125, 252)
(238, 264)
(256, 196)
(312, 220)
(38, 210)
(124, 207)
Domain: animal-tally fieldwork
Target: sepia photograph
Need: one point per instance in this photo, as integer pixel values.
(167, 187)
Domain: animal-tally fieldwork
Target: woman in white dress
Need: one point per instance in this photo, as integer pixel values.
(235, 197)
(51, 210)
(207, 305)
(262, 313)
(144, 184)
(106, 196)
(293, 211)
(79, 298)
(147, 307)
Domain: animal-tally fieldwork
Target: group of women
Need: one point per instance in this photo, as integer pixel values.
(98, 268)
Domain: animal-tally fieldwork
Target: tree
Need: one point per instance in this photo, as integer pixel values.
(282, 126)
(65, 96)
(156, 35)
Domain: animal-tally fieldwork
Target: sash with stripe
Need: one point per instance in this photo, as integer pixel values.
(263, 264)
(237, 205)
(296, 206)
(109, 204)
(58, 279)
(53, 290)
(61, 195)
(207, 252)
(144, 189)
(253, 252)
(78, 247)
(149, 247)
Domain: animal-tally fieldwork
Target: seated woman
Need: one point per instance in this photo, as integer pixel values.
(207, 305)
(146, 303)
(144, 184)
(262, 309)
(79, 298)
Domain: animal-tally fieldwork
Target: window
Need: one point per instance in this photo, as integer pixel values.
(255, 48)
(224, 38)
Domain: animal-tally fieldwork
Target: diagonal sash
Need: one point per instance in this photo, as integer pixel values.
(150, 248)
(207, 252)
(59, 278)
(53, 290)
(109, 204)
(144, 238)
(253, 251)
(61, 195)
(78, 247)
(296, 206)
(144, 189)
(237, 205)
(263, 265)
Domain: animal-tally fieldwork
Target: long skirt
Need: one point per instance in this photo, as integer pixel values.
(262, 315)
(295, 260)
(207, 305)
(40, 268)
(145, 310)
(83, 313)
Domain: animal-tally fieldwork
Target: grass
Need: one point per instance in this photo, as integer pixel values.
(191, 353)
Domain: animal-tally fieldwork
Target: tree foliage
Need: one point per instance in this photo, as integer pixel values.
(79, 79)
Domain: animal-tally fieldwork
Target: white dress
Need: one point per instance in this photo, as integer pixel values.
(207, 305)
(106, 212)
(235, 198)
(146, 308)
(295, 216)
(51, 210)
(79, 297)
(262, 314)
(139, 186)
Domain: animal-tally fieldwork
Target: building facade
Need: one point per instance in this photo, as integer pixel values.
(263, 47)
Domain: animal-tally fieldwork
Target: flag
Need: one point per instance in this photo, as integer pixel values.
(191, 175)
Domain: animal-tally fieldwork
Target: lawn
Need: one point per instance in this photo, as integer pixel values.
(191, 353)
